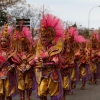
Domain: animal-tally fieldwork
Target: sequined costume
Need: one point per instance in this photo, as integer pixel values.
(7, 75)
(47, 69)
(94, 58)
(24, 60)
(66, 71)
(74, 43)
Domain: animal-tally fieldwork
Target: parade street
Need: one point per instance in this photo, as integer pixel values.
(49, 50)
(92, 92)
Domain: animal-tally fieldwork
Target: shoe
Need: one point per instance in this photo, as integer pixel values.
(90, 82)
(73, 86)
(70, 93)
(83, 88)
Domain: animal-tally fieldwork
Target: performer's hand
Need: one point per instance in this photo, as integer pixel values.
(44, 55)
(28, 67)
(39, 63)
(12, 66)
(23, 70)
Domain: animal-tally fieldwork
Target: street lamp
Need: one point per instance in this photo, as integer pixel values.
(89, 16)
(80, 31)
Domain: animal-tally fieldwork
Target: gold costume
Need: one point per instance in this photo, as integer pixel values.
(48, 86)
(66, 82)
(24, 81)
(24, 71)
(5, 87)
(93, 68)
(73, 74)
(82, 71)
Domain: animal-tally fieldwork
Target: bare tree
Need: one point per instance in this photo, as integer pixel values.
(8, 3)
(27, 11)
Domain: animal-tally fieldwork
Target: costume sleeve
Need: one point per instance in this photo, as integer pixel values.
(16, 59)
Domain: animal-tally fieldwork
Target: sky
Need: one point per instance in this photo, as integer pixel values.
(73, 11)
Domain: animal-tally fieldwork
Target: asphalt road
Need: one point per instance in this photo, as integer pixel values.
(92, 92)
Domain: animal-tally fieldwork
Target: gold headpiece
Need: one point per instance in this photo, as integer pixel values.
(5, 34)
(5, 29)
(65, 34)
(48, 32)
(42, 29)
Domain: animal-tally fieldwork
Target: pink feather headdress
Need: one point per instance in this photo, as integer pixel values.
(79, 38)
(51, 26)
(74, 33)
(26, 32)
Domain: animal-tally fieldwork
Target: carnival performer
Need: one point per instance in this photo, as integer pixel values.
(94, 58)
(24, 59)
(75, 41)
(98, 65)
(67, 63)
(83, 66)
(72, 32)
(76, 62)
(7, 75)
(48, 49)
(98, 56)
